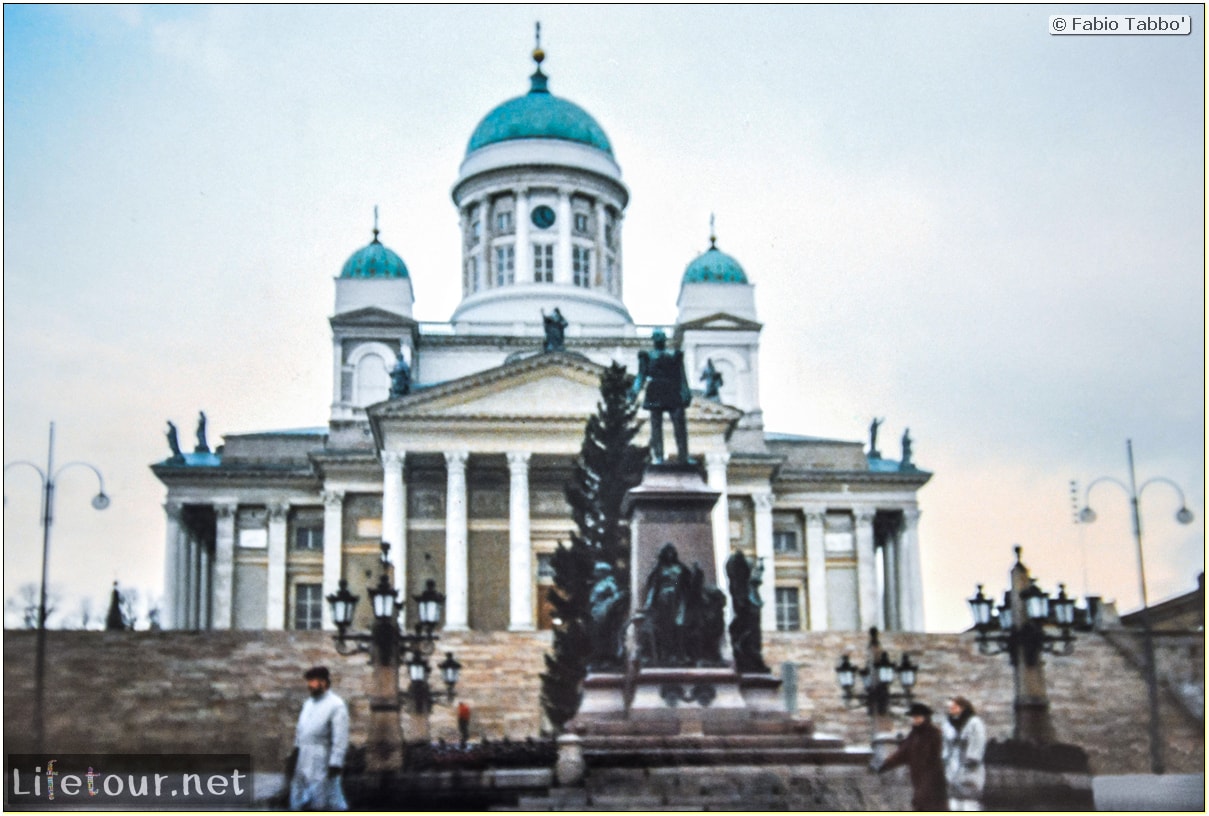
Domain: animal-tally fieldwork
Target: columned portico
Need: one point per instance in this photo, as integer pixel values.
(520, 558)
(816, 570)
(866, 568)
(457, 593)
(333, 548)
(275, 597)
(224, 564)
(764, 552)
(394, 518)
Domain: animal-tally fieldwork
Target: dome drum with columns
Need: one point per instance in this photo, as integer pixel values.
(460, 461)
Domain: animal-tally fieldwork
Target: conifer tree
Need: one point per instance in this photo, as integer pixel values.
(608, 465)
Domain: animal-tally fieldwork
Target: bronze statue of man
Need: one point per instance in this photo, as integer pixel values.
(662, 372)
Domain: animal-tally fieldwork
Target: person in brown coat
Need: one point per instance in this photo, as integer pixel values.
(921, 753)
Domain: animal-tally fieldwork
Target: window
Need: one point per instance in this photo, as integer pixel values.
(543, 263)
(505, 265)
(785, 542)
(788, 615)
(609, 234)
(476, 229)
(609, 274)
(373, 380)
(581, 266)
(308, 538)
(503, 221)
(545, 566)
(581, 223)
(472, 274)
(308, 606)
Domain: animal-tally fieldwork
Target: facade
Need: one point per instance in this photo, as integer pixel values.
(463, 474)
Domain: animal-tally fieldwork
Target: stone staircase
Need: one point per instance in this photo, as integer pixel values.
(729, 788)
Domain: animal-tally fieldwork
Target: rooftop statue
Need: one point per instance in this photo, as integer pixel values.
(174, 443)
(874, 453)
(202, 445)
(906, 463)
(713, 381)
(400, 378)
(555, 327)
(662, 372)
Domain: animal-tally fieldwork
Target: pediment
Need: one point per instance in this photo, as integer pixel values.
(719, 321)
(547, 385)
(370, 316)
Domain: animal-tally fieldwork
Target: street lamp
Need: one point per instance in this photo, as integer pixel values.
(1018, 628)
(100, 501)
(389, 648)
(877, 677)
(1183, 516)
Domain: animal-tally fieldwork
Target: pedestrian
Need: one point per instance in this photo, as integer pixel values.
(464, 722)
(965, 744)
(316, 765)
(921, 753)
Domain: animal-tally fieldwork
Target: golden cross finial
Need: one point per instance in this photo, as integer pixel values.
(713, 239)
(538, 53)
(375, 223)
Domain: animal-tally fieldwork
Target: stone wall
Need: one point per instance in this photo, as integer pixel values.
(240, 691)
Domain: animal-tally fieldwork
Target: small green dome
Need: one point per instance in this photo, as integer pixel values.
(715, 266)
(374, 261)
(539, 115)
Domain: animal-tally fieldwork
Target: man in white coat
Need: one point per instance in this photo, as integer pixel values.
(965, 745)
(317, 763)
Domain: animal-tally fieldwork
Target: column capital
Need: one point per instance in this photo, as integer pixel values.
(279, 510)
(762, 500)
(174, 510)
(518, 460)
(333, 499)
(456, 459)
(717, 459)
(864, 514)
(911, 515)
(226, 509)
(392, 458)
(814, 517)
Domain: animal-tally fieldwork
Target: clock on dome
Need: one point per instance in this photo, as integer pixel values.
(542, 217)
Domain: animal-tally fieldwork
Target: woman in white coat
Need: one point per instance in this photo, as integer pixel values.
(965, 743)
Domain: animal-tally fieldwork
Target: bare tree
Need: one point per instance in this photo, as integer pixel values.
(130, 608)
(25, 605)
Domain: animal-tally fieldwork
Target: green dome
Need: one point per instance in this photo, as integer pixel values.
(715, 266)
(374, 261)
(539, 115)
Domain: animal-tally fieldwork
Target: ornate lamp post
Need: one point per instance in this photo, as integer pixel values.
(877, 679)
(1017, 628)
(100, 501)
(389, 648)
(1183, 516)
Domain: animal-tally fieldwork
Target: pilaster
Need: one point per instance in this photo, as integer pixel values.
(866, 568)
(764, 551)
(333, 549)
(224, 564)
(816, 571)
(276, 591)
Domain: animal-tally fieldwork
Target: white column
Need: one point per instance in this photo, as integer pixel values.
(816, 570)
(457, 578)
(275, 592)
(337, 368)
(910, 571)
(333, 549)
(170, 617)
(562, 254)
(394, 521)
(203, 585)
(190, 612)
(715, 468)
(224, 564)
(520, 550)
(768, 589)
(866, 568)
(524, 252)
(892, 586)
(484, 249)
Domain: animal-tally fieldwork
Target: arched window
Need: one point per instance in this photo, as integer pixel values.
(373, 380)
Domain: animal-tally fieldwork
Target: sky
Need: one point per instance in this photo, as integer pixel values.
(953, 220)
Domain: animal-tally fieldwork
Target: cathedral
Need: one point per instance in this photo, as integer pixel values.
(452, 441)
